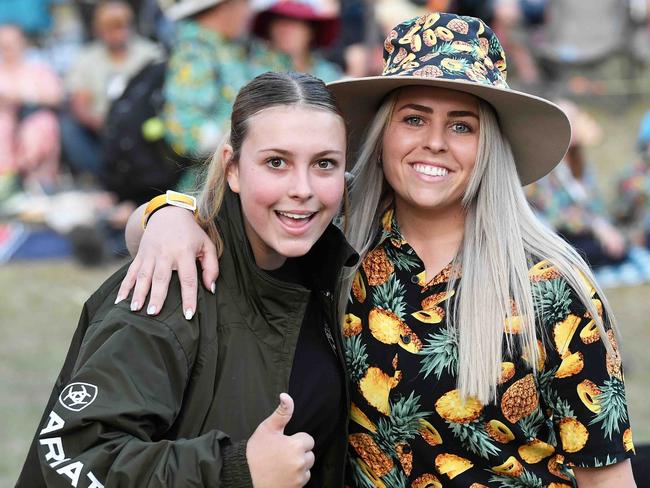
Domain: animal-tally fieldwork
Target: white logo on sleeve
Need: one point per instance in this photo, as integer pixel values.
(77, 396)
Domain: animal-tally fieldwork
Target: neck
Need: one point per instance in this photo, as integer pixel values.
(301, 61)
(214, 20)
(435, 236)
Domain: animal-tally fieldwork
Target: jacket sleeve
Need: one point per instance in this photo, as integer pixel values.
(108, 426)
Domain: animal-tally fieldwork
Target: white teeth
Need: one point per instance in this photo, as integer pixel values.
(429, 170)
(295, 216)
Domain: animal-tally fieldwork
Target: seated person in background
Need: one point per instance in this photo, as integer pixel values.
(98, 76)
(567, 198)
(633, 204)
(29, 130)
(296, 30)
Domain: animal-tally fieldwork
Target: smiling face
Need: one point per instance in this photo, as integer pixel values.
(430, 147)
(290, 179)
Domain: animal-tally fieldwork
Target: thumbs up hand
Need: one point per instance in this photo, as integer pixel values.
(277, 460)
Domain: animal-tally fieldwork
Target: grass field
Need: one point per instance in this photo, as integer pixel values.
(40, 304)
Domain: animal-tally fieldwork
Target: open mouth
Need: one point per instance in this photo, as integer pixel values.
(429, 170)
(295, 220)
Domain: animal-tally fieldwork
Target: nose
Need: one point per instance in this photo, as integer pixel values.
(300, 186)
(436, 140)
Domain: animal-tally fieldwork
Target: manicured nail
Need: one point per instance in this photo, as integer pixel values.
(135, 306)
(213, 287)
(118, 299)
(189, 313)
(151, 310)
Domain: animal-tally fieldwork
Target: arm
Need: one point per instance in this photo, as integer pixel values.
(173, 241)
(619, 475)
(129, 381)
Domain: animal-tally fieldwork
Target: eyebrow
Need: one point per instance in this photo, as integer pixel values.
(284, 152)
(429, 110)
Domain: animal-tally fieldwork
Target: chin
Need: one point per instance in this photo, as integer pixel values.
(295, 249)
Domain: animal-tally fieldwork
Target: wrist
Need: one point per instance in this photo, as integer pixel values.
(169, 199)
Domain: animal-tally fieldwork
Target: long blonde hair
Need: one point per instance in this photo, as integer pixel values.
(502, 239)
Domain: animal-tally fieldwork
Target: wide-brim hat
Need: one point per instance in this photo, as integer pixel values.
(181, 9)
(459, 53)
(326, 26)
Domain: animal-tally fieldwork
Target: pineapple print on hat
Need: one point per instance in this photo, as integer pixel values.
(534, 451)
(378, 462)
(455, 409)
(377, 266)
(458, 25)
(452, 465)
(573, 434)
(520, 399)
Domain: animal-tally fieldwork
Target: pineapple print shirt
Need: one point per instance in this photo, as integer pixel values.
(408, 424)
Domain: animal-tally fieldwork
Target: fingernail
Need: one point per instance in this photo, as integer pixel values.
(213, 287)
(134, 306)
(189, 313)
(118, 299)
(151, 310)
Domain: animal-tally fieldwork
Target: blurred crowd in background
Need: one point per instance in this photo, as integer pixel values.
(105, 104)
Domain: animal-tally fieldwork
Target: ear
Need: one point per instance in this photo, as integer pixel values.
(231, 168)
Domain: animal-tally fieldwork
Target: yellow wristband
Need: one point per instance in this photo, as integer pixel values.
(173, 198)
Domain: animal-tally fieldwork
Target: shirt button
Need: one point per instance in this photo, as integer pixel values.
(415, 279)
(406, 339)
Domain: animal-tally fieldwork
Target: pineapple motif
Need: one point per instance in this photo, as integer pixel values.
(628, 443)
(454, 65)
(429, 71)
(614, 360)
(429, 433)
(544, 270)
(599, 308)
(351, 325)
(426, 480)
(404, 261)
(527, 355)
(377, 267)
(535, 450)
(455, 409)
(520, 399)
(358, 288)
(552, 298)
(357, 415)
(458, 25)
(507, 372)
(402, 425)
(556, 466)
(390, 296)
(573, 434)
(532, 424)
(440, 353)
(386, 327)
(563, 333)
(613, 409)
(571, 365)
(477, 485)
(559, 485)
(452, 465)
(588, 392)
(444, 34)
(475, 437)
(429, 38)
(431, 312)
(527, 479)
(589, 333)
(375, 387)
(499, 431)
(405, 456)
(356, 358)
(378, 462)
(511, 467)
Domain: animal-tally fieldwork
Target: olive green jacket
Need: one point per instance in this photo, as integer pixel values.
(161, 401)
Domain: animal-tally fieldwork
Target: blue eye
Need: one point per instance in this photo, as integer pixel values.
(413, 120)
(275, 163)
(461, 127)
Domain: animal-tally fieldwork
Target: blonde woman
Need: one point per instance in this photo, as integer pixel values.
(480, 350)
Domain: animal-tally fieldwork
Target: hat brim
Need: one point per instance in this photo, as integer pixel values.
(538, 130)
(183, 10)
(326, 28)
